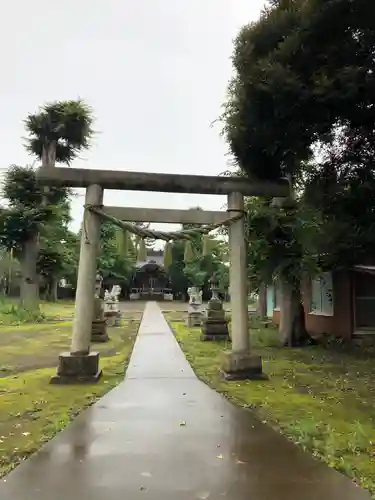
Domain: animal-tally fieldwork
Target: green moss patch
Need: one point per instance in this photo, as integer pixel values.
(31, 410)
(11, 313)
(322, 399)
(62, 309)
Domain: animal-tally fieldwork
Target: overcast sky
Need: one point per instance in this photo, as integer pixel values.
(154, 71)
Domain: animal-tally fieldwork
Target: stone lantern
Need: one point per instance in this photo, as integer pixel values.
(215, 324)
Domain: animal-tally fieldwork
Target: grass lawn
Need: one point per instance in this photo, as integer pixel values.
(63, 309)
(12, 314)
(31, 410)
(321, 398)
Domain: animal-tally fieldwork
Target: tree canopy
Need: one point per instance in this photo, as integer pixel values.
(25, 212)
(66, 125)
(301, 105)
(305, 68)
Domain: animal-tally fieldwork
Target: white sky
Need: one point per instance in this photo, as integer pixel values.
(155, 72)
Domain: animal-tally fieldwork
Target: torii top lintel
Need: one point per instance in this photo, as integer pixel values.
(168, 183)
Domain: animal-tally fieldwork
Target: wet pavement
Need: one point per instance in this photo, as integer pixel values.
(163, 435)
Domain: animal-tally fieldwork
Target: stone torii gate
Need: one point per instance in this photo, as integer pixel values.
(81, 364)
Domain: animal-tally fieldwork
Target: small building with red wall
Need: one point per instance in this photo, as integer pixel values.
(339, 303)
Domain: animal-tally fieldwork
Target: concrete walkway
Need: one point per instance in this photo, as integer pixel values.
(164, 435)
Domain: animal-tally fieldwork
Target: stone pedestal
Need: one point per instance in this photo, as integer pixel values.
(241, 366)
(195, 316)
(112, 313)
(99, 331)
(99, 326)
(112, 318)
(77, 369)
(215, 324)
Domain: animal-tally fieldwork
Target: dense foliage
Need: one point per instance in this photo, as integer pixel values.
(58, 132)
(301, 105)
(28, 208)
(116, 259)
(303, 69)
(206, 262)
(66, 125)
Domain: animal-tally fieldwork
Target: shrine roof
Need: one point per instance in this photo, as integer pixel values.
(157, 260)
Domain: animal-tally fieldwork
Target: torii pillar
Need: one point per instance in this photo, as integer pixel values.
(239, 363)
(81, 365)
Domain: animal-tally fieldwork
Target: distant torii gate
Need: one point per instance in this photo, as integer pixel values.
(81, 364)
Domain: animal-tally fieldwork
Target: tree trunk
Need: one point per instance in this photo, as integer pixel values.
(262, 302)
(48, 161)
(52, 290)
(49, 155)
(292, 326)
(30, 282)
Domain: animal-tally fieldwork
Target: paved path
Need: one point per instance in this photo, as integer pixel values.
(133, 443)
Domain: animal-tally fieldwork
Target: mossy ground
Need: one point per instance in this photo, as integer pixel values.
(11, 314)
(63, 309)
(31, 410)
(321, 398)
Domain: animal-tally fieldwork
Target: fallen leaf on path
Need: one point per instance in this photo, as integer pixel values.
(146, 474)
(203, 496)
(182, 423)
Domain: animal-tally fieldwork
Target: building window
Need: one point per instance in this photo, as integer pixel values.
(270, 300)
(322, 295)
(364, 301)
(277, 296)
